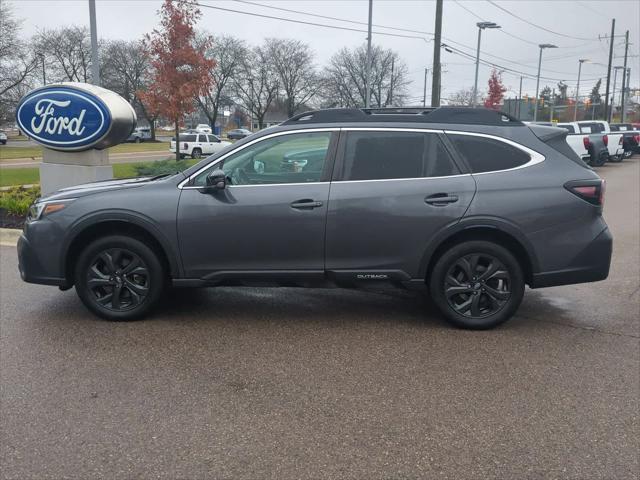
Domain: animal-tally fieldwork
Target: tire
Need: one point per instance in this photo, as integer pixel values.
(628, 153)
(100, 273)
(196, 153)
(137, 140)
(494, 299)
(600, 160)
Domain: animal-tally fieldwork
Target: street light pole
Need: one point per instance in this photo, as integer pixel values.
(481, 26)
(424, 97)
(95, 62)
(612, 104)
(367, 88)
(542, 47)
(575, 110)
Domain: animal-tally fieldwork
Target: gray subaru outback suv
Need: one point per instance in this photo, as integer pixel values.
(470, 205)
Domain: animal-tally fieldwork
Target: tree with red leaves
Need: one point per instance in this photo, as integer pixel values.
(180, 71)
(496, 91)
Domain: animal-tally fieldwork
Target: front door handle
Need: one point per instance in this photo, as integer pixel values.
(306, 204)
(441, 199)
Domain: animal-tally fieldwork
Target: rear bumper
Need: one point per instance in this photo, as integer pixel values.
(590, 265)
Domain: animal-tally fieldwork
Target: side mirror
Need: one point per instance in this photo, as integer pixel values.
(216, 180)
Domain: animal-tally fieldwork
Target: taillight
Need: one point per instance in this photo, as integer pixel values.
(620, 141)
(605, 139)
(586, 142)
(637, 139)
(591, 191)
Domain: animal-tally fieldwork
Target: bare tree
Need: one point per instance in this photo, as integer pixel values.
(67, 51)
(17, 62)
(344, 78)
(230, 54)
(464, 96)
(293, 61)
(125, 70)
(257, 84)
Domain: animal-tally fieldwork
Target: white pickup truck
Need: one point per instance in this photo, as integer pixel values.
(198, 144)
(589, 147)
(613, 140)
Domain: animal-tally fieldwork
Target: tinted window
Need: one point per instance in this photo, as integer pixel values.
(388, 155)
(293, 158)
(486, 154)
(187, 138)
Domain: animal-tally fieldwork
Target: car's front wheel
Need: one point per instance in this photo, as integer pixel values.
(119, 277)
(477, 284)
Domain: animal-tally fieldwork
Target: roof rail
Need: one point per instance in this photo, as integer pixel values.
(460, 115)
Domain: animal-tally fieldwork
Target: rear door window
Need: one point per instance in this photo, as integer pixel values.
(376, 155)
(485, 154)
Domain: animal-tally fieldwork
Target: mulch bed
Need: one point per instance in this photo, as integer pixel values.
(10, 220)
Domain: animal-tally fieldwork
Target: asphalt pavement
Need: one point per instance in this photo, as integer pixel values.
(291, 383)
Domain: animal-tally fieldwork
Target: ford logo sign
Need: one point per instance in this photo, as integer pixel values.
(75, 116)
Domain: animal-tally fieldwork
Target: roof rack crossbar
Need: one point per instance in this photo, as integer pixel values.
(461, 115)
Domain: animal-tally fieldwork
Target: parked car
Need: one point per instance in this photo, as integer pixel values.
(3, 137)
(612, 140)
(203, 128)
(196, 145)
(140, 134)
(470, 205)
(630, 137)
(238, 133)
(590, 147)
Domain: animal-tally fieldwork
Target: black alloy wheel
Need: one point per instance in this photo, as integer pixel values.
(477, 285)
(119, 279)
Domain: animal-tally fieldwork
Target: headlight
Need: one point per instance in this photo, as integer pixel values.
(40, 209)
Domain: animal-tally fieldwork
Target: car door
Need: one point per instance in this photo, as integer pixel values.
(392, 191)
(268, 220)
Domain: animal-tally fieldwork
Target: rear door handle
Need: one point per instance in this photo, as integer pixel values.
(441, 199)
(306, 204)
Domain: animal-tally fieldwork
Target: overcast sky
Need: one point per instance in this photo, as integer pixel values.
(577, 26)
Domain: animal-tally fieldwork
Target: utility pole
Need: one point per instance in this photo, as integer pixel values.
(520, 97)
(424, 97)
(435, 84)
(393, 60)
(95, 61)
(625, 84)
(613, 92)
(367, 87)
(607, 115)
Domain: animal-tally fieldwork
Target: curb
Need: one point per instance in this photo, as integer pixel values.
(9, 237)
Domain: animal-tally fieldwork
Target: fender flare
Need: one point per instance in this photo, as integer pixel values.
(473, 223)
(124, 216)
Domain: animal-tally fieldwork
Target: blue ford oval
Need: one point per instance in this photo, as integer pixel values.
(75, 116)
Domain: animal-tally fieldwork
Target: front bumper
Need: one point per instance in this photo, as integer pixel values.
(35, 269)
(590, 265)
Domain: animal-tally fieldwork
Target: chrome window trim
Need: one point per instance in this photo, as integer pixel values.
(182, 184)
(535, 157)
(391, 129)
(401, 179)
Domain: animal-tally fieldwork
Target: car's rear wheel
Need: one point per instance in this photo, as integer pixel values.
(599, 159)
(477, 284)
(119, 277)
(196, 153)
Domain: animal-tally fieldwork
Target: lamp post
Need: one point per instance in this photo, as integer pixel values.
(613, 93)
(542, 47)
(481, 26)
(575, 110)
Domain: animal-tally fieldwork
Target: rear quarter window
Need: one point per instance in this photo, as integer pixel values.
(487, 154)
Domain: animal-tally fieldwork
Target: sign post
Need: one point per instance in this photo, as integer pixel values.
(75, 123)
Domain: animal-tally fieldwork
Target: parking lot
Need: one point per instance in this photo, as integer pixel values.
(288, 383)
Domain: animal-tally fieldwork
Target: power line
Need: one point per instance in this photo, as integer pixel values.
(324, 25)
(539, 26)
(317, 15)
